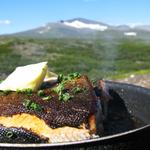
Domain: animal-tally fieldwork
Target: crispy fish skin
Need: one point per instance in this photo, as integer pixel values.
(36, 130)
(19, 135)
(58, 121)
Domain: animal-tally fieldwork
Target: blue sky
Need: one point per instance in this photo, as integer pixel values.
(19, 15)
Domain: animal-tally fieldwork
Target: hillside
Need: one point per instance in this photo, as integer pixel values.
(99, 58)
(91, 47)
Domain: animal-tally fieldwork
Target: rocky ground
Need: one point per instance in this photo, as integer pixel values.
(140, 80)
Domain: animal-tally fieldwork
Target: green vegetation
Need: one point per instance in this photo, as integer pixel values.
(99, 58)
(25, 91)
(28, 104)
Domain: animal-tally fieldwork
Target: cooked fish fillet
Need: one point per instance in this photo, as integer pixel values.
(57, 121)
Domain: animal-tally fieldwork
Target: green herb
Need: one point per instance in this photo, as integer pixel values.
(65, 97)
(27, 103)
(35, 107)
(6, 92)
(18, 91)
(43, 96)
(31, 105)
(47, 98)
(58, 89)
(77, 90)
(71, 76)
(27, 91)
(9, 134)
(41, 93)
(60, 77)
(94, 81)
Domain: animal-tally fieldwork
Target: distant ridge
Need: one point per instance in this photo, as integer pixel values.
(84, 28)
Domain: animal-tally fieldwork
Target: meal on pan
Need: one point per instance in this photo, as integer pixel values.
(37, 106)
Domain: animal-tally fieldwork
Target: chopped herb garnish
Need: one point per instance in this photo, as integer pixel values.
(25, 91)
(18, 91)
(35, 107)
(65, 97)
(31, 105)
(27, 103)
(94, 81)
(77, 90)
(60, 77)
(73, 75)
(6, 92)
(60, 88)
(47, 98)
(41, 93)
(43, 96)
(9, 134)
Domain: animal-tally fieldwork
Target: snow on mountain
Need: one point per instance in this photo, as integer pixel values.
(81, 25)
(44, 30)
(134, 25)
(130, 33)
(85, 28)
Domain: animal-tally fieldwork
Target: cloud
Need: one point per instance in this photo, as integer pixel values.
(5, 22)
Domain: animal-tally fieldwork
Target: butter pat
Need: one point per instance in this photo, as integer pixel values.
(51, 77)
(24, 77)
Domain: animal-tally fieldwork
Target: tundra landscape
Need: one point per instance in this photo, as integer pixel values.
(90, 47)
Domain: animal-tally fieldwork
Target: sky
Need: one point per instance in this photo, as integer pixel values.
(21, 15)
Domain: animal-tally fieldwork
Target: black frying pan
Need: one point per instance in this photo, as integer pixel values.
(127, 126)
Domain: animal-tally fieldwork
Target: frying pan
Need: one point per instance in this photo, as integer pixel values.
(127, 125)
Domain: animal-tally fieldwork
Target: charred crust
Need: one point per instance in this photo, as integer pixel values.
(54, 112)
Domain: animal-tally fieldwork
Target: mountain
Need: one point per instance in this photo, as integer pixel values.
(123, 27)
(84, 28)
(143, 27)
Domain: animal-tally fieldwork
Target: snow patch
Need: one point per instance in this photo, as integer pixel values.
(130, 33)
(82, 25)
(48, 28)
(134, 25)
(45, 29)
(40, 32)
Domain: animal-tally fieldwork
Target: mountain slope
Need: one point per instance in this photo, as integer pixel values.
(84, 28)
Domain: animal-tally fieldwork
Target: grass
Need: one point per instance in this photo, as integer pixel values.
(97, 58)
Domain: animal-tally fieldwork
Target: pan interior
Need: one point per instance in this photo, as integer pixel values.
(128, 109)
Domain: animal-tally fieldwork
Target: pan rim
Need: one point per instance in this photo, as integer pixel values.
(146, 89)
